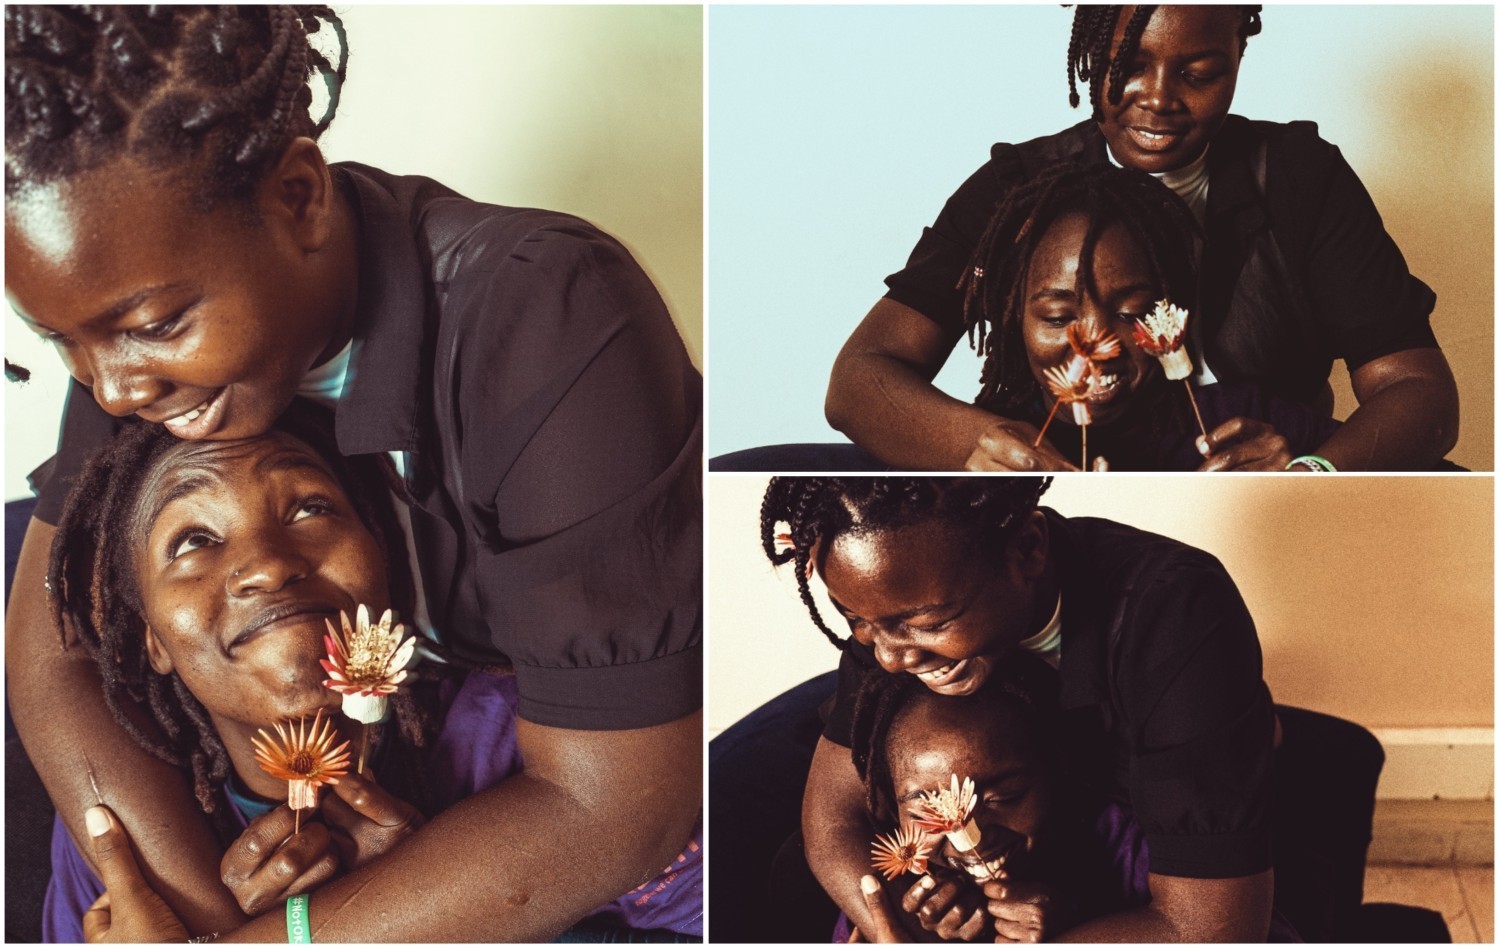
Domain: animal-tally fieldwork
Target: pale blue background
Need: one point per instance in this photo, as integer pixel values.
(836, 134)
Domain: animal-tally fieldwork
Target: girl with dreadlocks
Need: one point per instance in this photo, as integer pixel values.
(1297, 270)
(1061, 855)
(197, 576)
(942, 580)
(174, 228)
(1093, 249)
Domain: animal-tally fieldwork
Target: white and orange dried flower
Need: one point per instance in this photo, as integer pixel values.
(1090, 342)
(906, 850)
(304, 757)
(366, 663)
(1070, 383)
(1162, 334)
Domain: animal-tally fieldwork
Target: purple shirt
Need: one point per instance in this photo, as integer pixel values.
(476, 749)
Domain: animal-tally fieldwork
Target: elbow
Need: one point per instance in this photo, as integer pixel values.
(837, 404)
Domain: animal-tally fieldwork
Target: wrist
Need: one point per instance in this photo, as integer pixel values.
(1311, 463)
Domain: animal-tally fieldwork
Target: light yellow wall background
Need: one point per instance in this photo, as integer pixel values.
(596, 111)
(1373, 596)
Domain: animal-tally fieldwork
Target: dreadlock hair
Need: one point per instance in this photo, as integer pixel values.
(994, 285)
(816, 509)
(95, 595)
(223, 89)
(1023, 684)
(1088, 48)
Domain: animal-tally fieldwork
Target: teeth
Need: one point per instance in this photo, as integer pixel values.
(936, 673)
(183, 419)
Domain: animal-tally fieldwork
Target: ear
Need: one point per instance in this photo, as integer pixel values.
(156, 653)
(299, 193)
(1030, 545)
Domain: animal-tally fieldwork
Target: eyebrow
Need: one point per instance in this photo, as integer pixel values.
(200, 480)
(113, 312)
(1059, 293)
(290, 460)
(1000, 777)
(900, 616)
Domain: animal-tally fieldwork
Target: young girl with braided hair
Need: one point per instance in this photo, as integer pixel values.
(1093, 249)
(199, 577)
(172, 226)
(1297, 269)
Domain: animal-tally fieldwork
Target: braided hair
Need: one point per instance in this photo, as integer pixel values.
(816, 509)
(994, 284)
(1023, 684)
(95, 596)
(223, 89)
(1089, 56)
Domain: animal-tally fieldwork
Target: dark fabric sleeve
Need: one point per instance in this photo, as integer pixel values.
(838, 712)
(1199, 723)
(1304, 428)
(1368, 303)
(85, 428)
(581, 460)
(929, 281)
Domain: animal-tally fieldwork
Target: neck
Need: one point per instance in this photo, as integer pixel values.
(342, 275)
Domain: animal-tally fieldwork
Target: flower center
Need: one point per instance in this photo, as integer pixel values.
(302, 762)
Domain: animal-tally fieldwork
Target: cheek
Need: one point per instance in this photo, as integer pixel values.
(354, 563)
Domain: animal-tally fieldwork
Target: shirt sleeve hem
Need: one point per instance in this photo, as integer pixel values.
(1217, 856)
(613, 697)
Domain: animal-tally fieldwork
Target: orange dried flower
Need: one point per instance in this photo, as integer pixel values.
(304, 757)
(906, 850)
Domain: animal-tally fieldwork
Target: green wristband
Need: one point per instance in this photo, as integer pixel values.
(297, 930)
(1313, 463)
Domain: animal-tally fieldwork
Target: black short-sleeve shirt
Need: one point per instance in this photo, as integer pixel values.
(1297, 271)
(1163, 701)
(551, 418)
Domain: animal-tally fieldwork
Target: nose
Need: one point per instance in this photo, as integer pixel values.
(894, 656)
(268, 563)
(1157, 90)
(122, 387)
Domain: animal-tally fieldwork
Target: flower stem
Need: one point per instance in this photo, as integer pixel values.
(296, 822)
(1194, 402)
(1085, 465)
(1043, 433)
(364, 745)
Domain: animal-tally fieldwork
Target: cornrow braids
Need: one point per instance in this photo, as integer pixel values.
(1023, 684)
(220, 90)
(816, 509)
(94, 597)
(1089, 58)
(994, 284)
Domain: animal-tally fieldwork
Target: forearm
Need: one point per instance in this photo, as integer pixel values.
(520, 862)
(55, 698)
(891, 410)
(835, 831)
(1408, 423)
(1188, 910)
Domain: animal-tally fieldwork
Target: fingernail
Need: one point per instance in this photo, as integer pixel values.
(97, 820)
(927, 882)
(1202, 443)
(869, 885)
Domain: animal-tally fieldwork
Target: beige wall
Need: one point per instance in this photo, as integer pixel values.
(1373, 596)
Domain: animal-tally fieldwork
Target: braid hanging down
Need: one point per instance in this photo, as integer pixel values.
(821, 508)
(1089, 58)
(218, 89)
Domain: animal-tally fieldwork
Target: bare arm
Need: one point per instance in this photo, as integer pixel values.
(881, 395)
(594, 814)
(1189, 910)
(836, 831)
(1407, 417)
(54, 697)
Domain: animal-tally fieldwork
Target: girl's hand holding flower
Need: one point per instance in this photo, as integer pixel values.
(1025, 911)
(950, 907)
(365, 821)
(1243, 444)
(1010, 446)
(272, 861)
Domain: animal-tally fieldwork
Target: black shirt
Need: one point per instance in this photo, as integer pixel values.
(1297, 269)
(554, 431)
(1162, 697)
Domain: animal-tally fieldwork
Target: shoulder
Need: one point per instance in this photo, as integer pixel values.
(1128, 557)
(1294, 151)
(1081, 142)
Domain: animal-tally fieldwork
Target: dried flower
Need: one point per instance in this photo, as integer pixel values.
(947, 809)
(304, 757)
(366, 663)
(1161, 333)
(905, 850)
(1092, 343)
(1070, 383)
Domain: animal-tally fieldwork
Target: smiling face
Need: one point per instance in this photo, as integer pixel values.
(1058, 295)
(1177, 89)
(247, 547)
(984, 738)
(929, 601)
(202, 321)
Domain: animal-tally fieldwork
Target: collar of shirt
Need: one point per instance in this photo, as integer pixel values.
(379, 408)
(1047, 644)
(325, 382)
